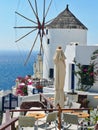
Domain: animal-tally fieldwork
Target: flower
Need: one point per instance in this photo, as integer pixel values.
(22, 86)
(39, 87)
(21, 90)
(86, 76)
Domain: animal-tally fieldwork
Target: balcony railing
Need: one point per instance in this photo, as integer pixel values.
(10, 124)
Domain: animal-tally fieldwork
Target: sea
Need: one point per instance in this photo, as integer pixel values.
(12, 66)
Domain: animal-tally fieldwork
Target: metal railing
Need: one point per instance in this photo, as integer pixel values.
(10, 124)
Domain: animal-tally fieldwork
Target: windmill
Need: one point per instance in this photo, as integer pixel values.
(37, 25)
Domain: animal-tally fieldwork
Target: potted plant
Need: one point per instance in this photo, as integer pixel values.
(21, 90)
(39, 88)
(93, 120)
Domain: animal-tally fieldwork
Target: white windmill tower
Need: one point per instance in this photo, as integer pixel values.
(63, 30)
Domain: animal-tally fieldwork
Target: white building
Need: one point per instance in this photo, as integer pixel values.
(63, 30)
(82, 54)
(69, 33)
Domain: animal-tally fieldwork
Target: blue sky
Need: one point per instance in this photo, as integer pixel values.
(85, 10)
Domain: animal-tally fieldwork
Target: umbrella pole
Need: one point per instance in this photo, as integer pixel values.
(59, 116)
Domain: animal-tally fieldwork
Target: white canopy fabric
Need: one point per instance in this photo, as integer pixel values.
(59, 76)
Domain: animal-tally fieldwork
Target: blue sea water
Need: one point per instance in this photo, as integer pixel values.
(12, 66)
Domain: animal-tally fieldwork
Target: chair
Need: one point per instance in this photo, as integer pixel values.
(49, 122)
(71, 122)
(26, 122)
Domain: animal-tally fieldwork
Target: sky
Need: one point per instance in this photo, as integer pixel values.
(85, 10)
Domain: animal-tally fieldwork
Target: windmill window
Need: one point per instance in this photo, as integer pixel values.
(46, 31)
(51, 73)
(48, 41)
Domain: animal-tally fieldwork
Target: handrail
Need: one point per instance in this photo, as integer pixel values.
(11, 123)
(54, 109)
(46, 100)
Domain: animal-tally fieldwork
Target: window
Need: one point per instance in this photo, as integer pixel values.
(51, 73)
(87, 77)
(46, 31)
(48, 41)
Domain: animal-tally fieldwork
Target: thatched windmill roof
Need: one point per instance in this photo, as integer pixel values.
(66, 20)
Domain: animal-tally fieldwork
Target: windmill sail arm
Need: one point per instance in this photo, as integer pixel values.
(25, 17)
(22, 27)
(37, 23)
(25, 35)
(49, 22)
(36, 8)
(33, 9)
(31, 50)
(48, 8)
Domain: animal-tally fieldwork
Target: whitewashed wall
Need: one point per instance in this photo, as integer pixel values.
(70, 55)
(60, 37)
(82, 54)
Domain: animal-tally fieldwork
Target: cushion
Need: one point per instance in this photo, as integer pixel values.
(70, 104)
(35, 108)
(75, 105)
(66, 103)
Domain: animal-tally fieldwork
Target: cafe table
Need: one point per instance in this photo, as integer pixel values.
(81, 114)
(96, 97)
(36, 115)
(51, 98)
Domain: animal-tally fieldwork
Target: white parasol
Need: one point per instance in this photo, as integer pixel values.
(59, 76)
